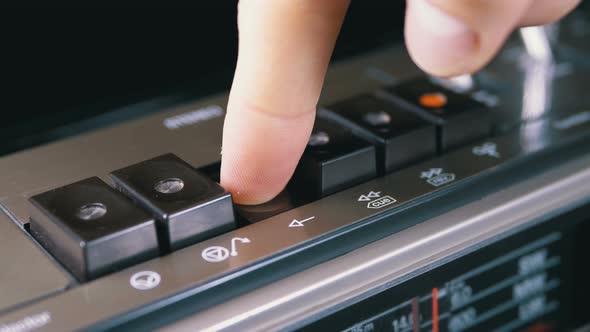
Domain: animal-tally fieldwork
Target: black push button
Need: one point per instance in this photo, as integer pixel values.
(334, 159)
(460, 118)
(92, 229)
(188, 206)
(401, 137)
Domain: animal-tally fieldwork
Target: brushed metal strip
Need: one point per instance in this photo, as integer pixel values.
(187, 271)
(286, 302)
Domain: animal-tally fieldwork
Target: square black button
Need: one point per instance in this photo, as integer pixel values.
(92, 229)
(188, 206)
(460, 118)
(401, 137)
(334, 159)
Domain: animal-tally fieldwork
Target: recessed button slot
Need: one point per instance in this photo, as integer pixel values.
(285, 201)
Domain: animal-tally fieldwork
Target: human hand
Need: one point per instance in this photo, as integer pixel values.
(284, 50)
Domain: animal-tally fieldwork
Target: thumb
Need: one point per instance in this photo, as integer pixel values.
(451, 37)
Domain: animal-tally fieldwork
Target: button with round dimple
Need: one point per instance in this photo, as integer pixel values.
(188, 206)
(335, 158)
(169, 186)
(88, 226)
(402, 137)
(319, 138)
(459, 118)
(92, 211)
(377, 118)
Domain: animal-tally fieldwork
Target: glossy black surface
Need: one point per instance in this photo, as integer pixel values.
(334, 159)
(92, 229)
(198, 209)
(460, 118)
(400, 136)
(524, 89)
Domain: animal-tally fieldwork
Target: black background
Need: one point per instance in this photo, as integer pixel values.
(63, 64)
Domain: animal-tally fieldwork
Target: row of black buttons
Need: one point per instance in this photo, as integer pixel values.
(413, 121)
(163, 204)
(356, 139)
(94, 229)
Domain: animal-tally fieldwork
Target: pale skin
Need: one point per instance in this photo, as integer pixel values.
(284, 50)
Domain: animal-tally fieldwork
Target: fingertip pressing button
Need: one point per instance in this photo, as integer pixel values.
(283, 202)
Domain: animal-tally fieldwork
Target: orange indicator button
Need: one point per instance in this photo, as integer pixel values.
(433, 100)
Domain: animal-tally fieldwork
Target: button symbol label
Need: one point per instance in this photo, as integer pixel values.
(487, 149)
(215, 254)
(381, 202)
(300, 223)
(369, 196)
(375, 200)
(436, 177)
(145, 280)
(234, 252)
(431, 173)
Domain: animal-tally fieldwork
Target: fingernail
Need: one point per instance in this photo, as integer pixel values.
(435, 20)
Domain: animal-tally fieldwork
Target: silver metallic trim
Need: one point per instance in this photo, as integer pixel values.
(398, 257)
(537, 44)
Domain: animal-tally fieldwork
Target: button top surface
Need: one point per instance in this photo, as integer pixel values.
(382, 118)
(167, 183)
(90, 208)
(434, 99)
(328, 141)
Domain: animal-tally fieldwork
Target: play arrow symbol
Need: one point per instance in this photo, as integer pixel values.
(299, 223)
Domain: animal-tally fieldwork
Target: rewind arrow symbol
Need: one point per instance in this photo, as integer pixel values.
(364, 198)
(299, 223)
